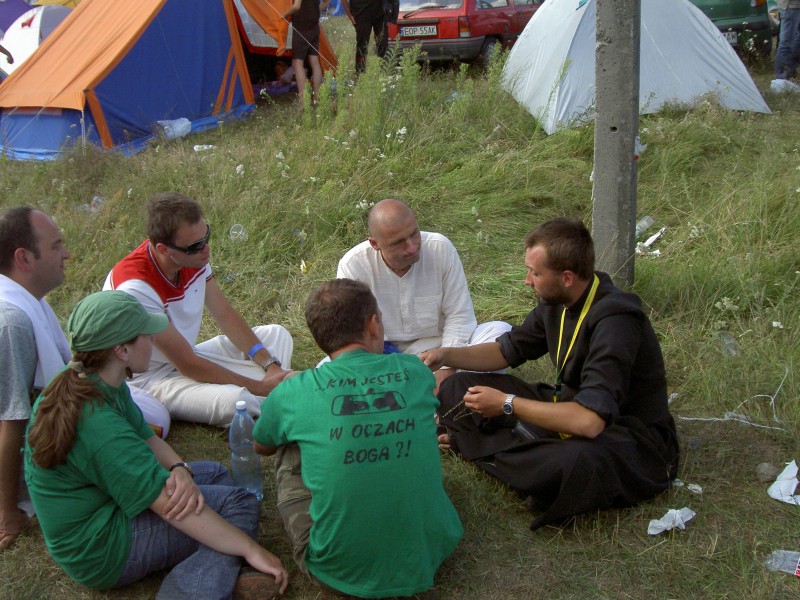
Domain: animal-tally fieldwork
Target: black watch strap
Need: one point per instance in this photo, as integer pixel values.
(185, 465)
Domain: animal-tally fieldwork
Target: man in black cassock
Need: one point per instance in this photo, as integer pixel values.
(603, 436)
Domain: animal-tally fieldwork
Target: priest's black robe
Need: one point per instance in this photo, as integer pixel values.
(615, 369)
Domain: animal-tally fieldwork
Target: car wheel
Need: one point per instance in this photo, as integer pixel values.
(487, 51)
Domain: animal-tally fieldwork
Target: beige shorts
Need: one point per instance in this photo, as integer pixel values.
(294, 500)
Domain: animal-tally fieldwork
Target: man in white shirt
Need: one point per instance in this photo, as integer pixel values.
(419, 282)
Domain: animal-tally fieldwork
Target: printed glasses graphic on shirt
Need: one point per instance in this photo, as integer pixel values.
(352, 404)
(382, 433)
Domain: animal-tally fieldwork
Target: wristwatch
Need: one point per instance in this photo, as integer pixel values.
(272, 360)
(185, 465)
(508, 405)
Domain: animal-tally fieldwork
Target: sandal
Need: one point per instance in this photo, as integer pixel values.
(255, 585)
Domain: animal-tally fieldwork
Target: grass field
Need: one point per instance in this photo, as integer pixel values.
(477, 168)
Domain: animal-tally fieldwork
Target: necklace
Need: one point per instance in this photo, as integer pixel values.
(560, 372)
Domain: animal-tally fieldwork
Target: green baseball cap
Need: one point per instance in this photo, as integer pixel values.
(106, 319)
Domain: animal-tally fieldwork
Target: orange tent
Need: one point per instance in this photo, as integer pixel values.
(114, 69)
(267, 13)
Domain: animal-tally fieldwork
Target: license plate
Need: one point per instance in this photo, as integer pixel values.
(418, 31)
(731, 36)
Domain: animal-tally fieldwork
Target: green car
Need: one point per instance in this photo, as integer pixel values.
(744, 23)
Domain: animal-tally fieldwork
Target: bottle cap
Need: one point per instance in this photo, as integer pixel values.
(241, 405)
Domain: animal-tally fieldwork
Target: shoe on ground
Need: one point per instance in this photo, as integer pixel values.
(255, 585)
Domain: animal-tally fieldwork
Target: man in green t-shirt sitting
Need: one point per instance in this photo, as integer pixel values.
(368, 516)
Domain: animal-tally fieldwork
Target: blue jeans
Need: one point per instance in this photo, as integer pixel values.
(788, 53)
(198, 571)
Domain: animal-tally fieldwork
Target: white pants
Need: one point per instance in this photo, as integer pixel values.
(212, 403)
(485, 332)
(155, 414)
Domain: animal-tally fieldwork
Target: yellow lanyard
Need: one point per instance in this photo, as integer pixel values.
(584, 311)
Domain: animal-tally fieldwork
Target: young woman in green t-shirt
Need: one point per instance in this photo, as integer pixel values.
(115, 502)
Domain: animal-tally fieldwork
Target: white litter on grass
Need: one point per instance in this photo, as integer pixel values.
(652, 239)
(176, 128)
(691, 487)
(673, 519)
(781, 86)
(642, 250)
(785, 484)
(237, 233)
(202, 147)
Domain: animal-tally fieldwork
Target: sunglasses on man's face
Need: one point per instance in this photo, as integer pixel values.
(194, 247)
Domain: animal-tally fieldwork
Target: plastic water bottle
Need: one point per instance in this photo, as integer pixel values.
(728, 343)
(245, 463)
(786, 561)
(643, 224)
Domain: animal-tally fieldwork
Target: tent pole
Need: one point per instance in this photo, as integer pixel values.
(83, 132)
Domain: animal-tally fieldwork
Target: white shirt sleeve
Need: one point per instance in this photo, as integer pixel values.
(457, 310)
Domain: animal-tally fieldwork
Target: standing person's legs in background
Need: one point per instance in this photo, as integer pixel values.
(299, 75)
(363, 30)
(787, 54)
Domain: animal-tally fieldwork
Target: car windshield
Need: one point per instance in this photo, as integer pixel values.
(416, 5)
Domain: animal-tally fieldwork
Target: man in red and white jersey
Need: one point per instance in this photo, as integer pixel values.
(170, 273)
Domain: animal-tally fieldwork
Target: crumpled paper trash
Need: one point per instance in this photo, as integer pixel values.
(176, 128)
(785, 484)
(781, 86)
(691, 487)
(674, 518)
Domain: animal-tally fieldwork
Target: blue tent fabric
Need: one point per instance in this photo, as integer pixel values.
(175, 69)
(335, 9)
(189, 71)
(10, 10)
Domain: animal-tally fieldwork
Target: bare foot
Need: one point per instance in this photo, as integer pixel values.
(444, 441)
(21, 521)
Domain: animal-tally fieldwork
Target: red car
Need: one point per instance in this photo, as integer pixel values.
(461, 30)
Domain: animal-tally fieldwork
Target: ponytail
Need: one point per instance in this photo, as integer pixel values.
(53, 432)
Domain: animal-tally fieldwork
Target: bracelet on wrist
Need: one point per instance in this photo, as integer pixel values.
(254, 349)
(272, 360)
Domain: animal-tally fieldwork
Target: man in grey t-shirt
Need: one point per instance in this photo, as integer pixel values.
(17, 363)
(32, 256)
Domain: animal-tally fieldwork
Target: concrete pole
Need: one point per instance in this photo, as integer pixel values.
(616, 127)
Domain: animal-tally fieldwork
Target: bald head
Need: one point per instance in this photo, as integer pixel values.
(388, 213)
(395, 234)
